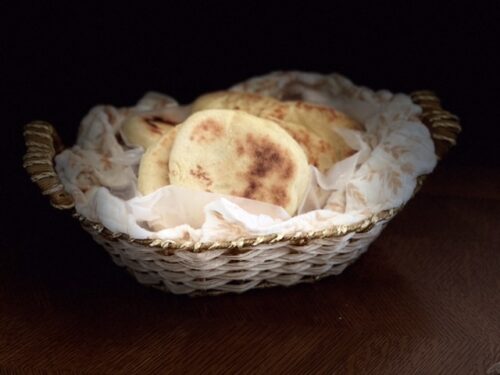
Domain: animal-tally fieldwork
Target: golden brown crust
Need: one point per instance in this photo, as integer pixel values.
(311, 125)
(153, 169)
(144, 130)
(268, 161)
(233, 152)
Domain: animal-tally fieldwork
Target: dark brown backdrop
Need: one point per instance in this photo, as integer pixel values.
(424, 299)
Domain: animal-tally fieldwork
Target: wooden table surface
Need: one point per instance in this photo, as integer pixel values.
(424, 299)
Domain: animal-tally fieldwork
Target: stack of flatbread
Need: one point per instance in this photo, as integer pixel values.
(240, 144)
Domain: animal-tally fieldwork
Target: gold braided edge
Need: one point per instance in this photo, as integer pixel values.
(296, 239)
(432, 116)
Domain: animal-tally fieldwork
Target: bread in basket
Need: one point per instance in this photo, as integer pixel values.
(236, 265)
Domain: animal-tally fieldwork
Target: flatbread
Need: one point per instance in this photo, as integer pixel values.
(319, 152)
(235, 153)
(153, 169)
(321, 122)
(144, 130)
(312, 126)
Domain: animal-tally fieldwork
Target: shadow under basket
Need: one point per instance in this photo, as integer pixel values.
(187, 267)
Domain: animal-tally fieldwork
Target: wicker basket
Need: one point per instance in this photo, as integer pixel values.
(186, 267)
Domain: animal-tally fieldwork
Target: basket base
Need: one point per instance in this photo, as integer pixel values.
(204, 287)
(219, 271)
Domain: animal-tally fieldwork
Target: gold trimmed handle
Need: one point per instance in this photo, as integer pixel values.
(42, 144)
(443, 125)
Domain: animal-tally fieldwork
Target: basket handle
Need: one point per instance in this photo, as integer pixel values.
(42, 144)
(443, 125)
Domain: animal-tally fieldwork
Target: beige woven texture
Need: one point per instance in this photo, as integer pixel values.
(220, 270)
(232, 266)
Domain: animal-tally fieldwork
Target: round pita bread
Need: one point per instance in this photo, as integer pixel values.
(319, 152)
(153, 169)
(235, 153)
(324, 145)
(312, 126)
(144, 130)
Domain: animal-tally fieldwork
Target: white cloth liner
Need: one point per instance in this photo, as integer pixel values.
(396, 148)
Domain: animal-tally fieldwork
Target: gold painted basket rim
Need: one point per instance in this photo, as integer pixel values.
(43, 143)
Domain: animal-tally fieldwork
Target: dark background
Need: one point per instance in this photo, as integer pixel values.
(58, 62)
(61, 61)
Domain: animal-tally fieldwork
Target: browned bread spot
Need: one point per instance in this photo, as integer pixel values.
(311, 125)
(201, 175)
(208, 131)
(233, 152)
